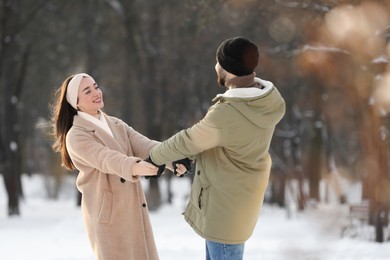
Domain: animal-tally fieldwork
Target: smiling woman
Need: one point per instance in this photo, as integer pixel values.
(108, 155)
(90, 97)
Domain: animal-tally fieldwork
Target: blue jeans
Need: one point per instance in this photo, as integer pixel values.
(218, 251)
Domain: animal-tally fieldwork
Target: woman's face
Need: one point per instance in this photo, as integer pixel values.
(90, 97)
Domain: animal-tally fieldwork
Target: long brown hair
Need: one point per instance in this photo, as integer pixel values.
(61, 121)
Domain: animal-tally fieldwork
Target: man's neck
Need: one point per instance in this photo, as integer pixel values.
(240, 82)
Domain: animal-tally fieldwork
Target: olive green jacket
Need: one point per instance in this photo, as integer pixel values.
(231, 146)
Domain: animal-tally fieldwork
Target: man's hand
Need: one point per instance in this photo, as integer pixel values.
(180, 167)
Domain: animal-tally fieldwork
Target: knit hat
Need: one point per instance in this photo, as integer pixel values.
(238, 56)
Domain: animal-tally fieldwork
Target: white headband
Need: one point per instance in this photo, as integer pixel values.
(73, 89)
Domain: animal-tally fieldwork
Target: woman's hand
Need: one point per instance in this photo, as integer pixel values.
(180, 170)
(142, 168)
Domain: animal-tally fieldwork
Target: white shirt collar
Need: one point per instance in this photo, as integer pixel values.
(101, 122)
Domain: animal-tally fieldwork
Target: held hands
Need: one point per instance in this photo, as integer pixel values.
(143, 168)
(160, 168)
(180, 167)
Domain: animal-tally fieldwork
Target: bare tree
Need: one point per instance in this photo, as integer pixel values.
(14, 58)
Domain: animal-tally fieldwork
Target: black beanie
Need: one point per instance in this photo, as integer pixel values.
(238, 56)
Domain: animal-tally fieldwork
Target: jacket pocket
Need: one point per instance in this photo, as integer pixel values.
(203, 199)
(106, 208)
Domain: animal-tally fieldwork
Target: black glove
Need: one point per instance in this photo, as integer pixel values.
(186, 162)
(161, 169)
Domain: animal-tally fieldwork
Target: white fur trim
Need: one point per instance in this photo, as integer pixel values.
(249, 92)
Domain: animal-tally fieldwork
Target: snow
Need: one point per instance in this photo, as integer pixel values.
(381, 59)
(298, 4)
(53, 230)
(320, 48)
(13, 146)
(14, 99)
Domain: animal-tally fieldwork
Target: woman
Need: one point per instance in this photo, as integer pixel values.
(108, 154)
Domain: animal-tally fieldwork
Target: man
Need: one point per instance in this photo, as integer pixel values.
(230, 145)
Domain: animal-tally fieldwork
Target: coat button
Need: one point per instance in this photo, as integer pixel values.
(144, 205)
(198, 172)
(123, 180)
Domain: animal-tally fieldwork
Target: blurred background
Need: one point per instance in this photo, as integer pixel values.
(154, 61)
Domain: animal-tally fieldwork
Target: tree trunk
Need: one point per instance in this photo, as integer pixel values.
(12, 166)
(14, 58)
(314, 163)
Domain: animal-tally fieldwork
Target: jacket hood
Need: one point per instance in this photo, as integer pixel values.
(261, 104)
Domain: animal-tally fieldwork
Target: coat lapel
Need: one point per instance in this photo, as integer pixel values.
(102, 135)
(119, 134)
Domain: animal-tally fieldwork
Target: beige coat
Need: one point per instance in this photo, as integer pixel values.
(113, 202)
(231, 145)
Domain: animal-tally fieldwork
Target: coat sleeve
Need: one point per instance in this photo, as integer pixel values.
(204, 135)
(86, 152)
(140, 144)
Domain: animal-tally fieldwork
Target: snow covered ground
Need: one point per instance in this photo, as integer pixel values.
(53, 230)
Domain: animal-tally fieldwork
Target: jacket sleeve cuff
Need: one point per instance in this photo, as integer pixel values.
(155, 158)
